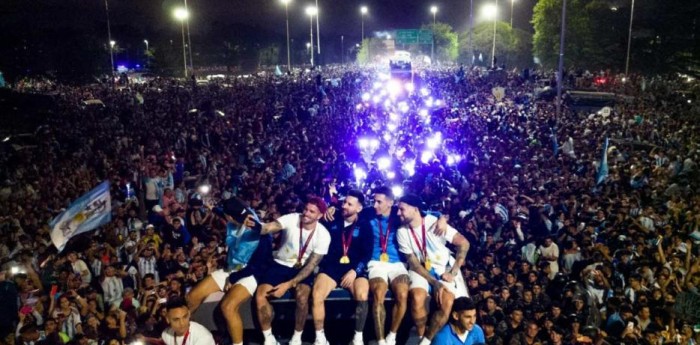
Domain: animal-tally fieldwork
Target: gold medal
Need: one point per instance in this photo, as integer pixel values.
(297, 265)
(384, 257)
(427, 264)
(345, 259)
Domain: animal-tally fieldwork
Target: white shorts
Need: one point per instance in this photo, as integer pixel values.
(249, 283)
(221, 278)
(457, 287)
(388, 271)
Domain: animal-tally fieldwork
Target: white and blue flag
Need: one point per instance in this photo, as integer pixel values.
(603, 169)
(86, 213)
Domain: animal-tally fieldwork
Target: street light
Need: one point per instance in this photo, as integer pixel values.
(109, 39)
(111, 53)
(286, 13)
(511, 13)
(490, 11)
(629, 40)
(189, 39)
(182, 14)
(318, 31)
(311, 11)
(146, 42)
(433, 10)
(363, 13)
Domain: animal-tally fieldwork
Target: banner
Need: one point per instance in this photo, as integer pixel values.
(88, 212)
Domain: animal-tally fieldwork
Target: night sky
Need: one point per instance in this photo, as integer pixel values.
(338, 17)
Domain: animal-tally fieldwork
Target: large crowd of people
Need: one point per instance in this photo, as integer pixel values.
(533, 236)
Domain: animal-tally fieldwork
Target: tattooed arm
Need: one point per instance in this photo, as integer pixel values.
(308, 268)
(462, 246)
(415, 266)
(279, 290)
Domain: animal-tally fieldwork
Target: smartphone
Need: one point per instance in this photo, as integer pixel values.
(54, 289)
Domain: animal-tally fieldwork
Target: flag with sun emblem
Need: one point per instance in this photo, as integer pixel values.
(86, 213)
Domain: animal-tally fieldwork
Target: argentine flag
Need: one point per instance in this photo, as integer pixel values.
(86, 213)
(603, 169)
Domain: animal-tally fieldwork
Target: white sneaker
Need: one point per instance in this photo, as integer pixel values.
(295, 342)
(391, 339)
(271, 341)
(321, 342)
(357, 340)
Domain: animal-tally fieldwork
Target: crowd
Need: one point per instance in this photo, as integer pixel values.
(556, 256)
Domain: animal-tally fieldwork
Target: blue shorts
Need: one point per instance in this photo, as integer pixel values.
(277, 274)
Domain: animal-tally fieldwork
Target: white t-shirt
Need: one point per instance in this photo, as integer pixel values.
(79, 266)
(199, 335)
(438, 253)
(552, 250)
(289, 250)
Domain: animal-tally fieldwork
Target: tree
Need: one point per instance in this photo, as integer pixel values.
(597, 34)
(446, 41)
(513, 46)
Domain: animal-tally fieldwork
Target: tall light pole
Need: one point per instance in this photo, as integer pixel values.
(629, 40)
(511, 13)
(491, 11)
(318, 31)
(109, 39)
(189, 41)
(286, 13)
(182, 14)
(560, 76)
(363, 13)
(342, 49)
(471, 30)
(146, 42)
(433, 10)
(311, 11)
(111, 53)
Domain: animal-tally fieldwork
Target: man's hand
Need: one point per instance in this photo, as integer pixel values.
(447, 276)
(329, 216)
(279, 290)
(439, 290)
(440, 227)
(249, 221)
(348, 279)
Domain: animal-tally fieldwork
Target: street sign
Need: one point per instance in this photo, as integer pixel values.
(414, 36)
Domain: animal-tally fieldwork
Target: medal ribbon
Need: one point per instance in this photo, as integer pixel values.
(348, 241)
(424, 248)
(302, 249)
(184, 339)
(383, 239)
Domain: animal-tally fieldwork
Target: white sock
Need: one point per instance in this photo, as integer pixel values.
(425, 341)
(358, 335)
(320, 336)
(391, 335)
(297, 335)
(267, 333)
(381, 342)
